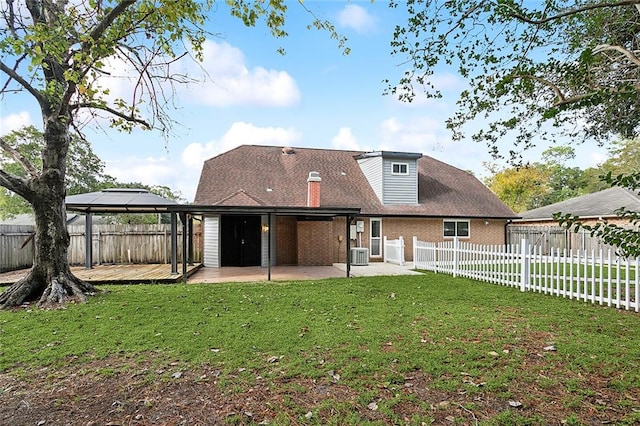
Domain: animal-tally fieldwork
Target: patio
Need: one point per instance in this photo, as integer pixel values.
(161, 273)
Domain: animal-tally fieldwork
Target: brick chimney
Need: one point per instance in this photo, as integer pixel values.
(313, 189)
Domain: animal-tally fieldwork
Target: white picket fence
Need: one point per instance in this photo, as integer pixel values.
(599, 277)
(394, 250)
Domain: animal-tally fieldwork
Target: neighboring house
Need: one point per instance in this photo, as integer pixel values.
(394, 194)
(540, 228)
(591, 208)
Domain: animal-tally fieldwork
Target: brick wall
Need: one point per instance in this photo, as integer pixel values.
(315, 243)
(425, 229)
(286, 240)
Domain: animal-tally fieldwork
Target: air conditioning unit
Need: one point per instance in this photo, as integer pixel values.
(360, 256)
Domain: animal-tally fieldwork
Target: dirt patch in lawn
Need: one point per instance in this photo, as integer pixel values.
(117, 391)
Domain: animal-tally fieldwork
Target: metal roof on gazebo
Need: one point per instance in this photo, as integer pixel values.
(119, 200)
(126, 200)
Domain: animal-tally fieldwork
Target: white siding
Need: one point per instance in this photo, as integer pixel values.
(265, 248)
(400, 189)
(372, 169)
(211, 254)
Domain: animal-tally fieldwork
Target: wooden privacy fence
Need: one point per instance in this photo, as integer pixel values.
(16, 247)
(118, 244)
(112, 244)
(547, 236)
(596, 276)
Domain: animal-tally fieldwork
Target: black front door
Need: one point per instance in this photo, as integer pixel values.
(240, 240)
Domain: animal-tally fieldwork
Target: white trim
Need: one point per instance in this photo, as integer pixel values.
(456, 221)
(400, 172)
(371, 238)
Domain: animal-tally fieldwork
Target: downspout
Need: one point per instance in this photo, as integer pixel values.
(506, 232)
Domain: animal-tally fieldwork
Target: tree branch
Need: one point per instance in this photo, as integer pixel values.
(562, 100)
(570, 12)
(118, 10)
(464, 16)
(29, 168)
(24, 83)
(129, 118)
(627, 53)
(16, 184)
(554, 87)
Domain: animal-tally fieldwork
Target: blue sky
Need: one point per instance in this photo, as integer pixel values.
(314, 96)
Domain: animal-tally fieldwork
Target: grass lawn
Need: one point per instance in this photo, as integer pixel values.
(386, 350)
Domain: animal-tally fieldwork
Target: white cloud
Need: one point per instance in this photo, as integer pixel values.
(226, 80)
(12, 122)
(184, 177)
(430, 137)
(222, 79)
(156, 171)
(148, 170)
(356, 18)
(242, 133)
(346, 140)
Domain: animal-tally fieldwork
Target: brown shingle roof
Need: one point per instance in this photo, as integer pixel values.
(267, 175)
(604, 203)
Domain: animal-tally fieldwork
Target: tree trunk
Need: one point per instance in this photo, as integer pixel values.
(50, 281)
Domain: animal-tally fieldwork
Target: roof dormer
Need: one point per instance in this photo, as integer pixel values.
(392, 175)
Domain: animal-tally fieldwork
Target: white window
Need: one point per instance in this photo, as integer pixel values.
(399, 168)
(456, 228)
(375, 239)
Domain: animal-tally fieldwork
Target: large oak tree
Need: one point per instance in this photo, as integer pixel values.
(57, 52)
(535, 70)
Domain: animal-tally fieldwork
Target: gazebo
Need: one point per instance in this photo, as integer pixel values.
(133, 200)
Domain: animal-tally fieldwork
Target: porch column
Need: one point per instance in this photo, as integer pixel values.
(190, 241)
(268, 246)
(88, 240)
(347, 236)
(174, 243)
(183, 219)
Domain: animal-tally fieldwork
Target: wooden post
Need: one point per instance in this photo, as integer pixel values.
(174, 243)
(455, 256)
(524, 266)
(347, 237)
(88, 241)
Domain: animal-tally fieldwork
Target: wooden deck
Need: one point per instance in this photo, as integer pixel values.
(152, 273)
(116, 274)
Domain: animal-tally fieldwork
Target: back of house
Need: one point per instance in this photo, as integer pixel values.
(304, 206)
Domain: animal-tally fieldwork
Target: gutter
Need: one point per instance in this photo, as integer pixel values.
(506, 225)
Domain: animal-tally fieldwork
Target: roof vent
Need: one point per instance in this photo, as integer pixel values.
(287, 150)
